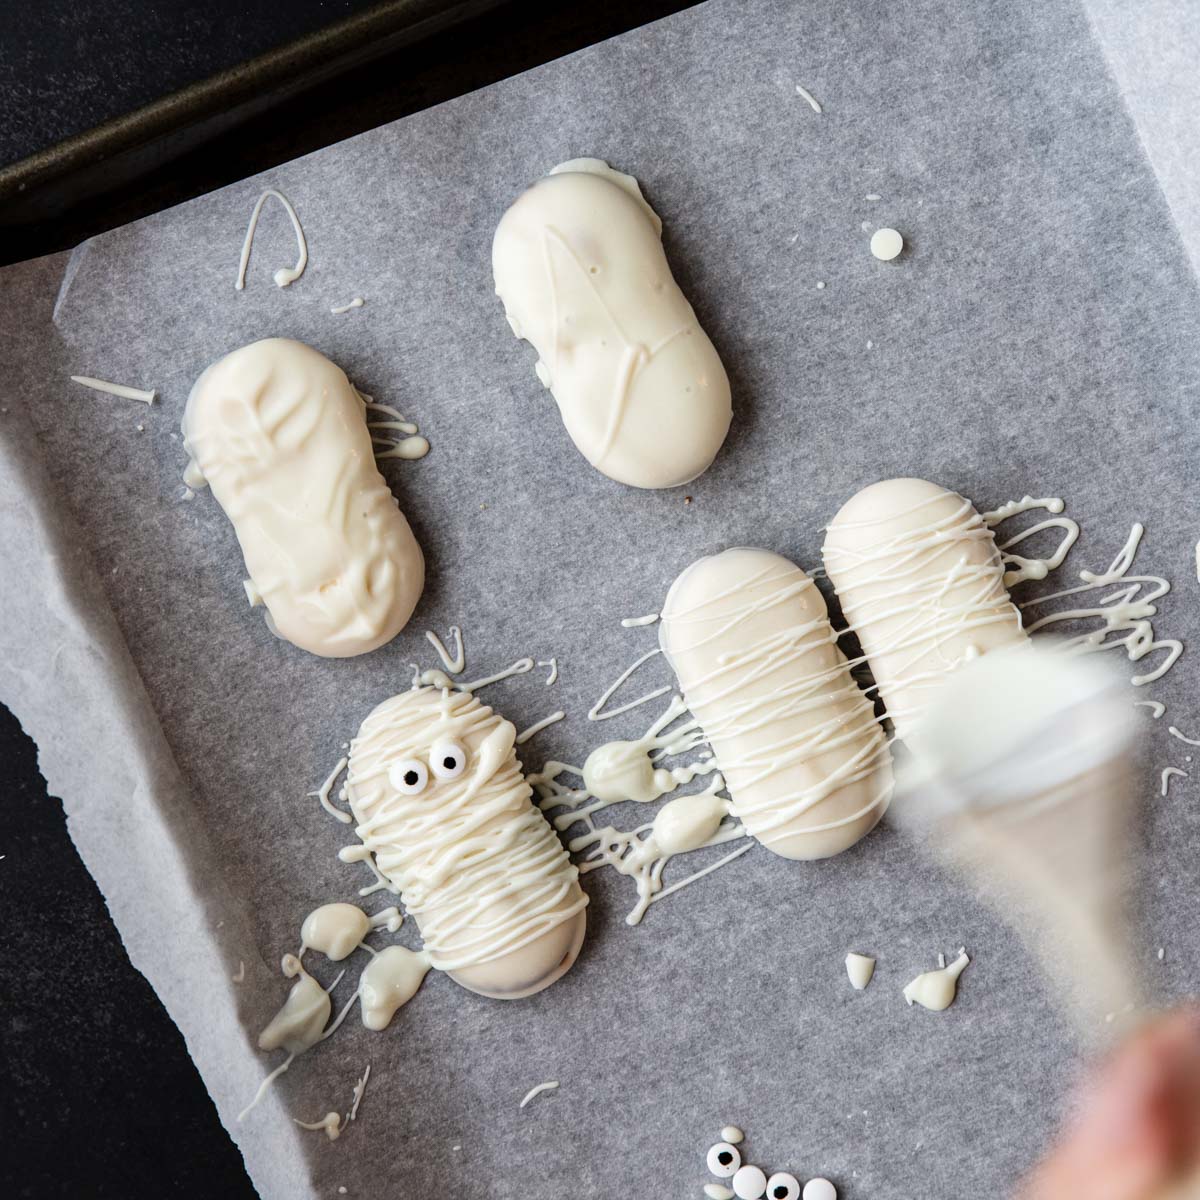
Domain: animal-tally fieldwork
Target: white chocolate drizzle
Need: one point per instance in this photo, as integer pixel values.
(935, 990)
(285, 276)
(322, 793)
(358, 1092)
(1032, 568)
(330, 1124)
(1124, 613)
(596, 713)
(631, 771)
(338, 309)
(636, 622)
(115, 389)
(1175, 733)
(521, 667)
(552, 677)
(392, 434)
(1156, 707)
(454, 663)
(239, 976)
(538, 726)
(808, 98)
(1167, 773)
(549, 1086)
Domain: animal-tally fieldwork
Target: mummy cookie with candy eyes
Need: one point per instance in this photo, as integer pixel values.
(921, 583)
(442, 805)
(280, 434)
(805, 762)
(579, 264)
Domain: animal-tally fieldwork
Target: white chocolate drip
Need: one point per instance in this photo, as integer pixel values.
(454, 663)
(358, 1092)
(935, 990)
(338, 309)
(392, 434)
(285, 276)
(1032, 568)
(1124, 613)
(579, 266)
(859, 969)
(389, 981)
(636, 622)
(279, 433)
(596, 712)
(549, 1086)
(630, 771)
(1175, 733)
(1156, 707)
(1166, 778)
(808, 767)
(808, 98)
(115, 389)
(552, 677)
(538, 726)
(322, 793)
(478, 866)
(330, 1124)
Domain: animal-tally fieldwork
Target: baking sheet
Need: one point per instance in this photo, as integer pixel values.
(1040, 336)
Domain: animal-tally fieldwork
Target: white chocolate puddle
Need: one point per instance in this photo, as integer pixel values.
(278, 431)
(579, 266)
(936, 990)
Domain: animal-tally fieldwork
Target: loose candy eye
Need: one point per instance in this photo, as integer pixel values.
(409, 776)
(724, 1160)
(448, 760)
(749, 1183)
(782, 1186)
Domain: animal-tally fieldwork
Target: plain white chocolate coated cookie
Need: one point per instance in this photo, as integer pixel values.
(280, 435)
(579, 265)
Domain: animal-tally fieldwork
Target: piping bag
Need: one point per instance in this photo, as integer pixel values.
(1020, 775)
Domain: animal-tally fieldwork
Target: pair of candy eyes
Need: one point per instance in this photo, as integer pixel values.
(724, 1160)
(410, 776)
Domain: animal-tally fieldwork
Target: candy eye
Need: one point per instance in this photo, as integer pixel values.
(409, 776)
(749, 1183)
(724, 1160)
(448, 760)
(782, 1186)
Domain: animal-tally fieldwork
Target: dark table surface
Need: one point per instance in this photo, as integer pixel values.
(98, 1096)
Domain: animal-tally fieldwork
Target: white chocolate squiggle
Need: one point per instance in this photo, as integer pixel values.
(493, 892)
(579, 265)
(921, 582)
(279, 433)
(805, 761)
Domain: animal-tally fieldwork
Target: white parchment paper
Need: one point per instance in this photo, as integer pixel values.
(1040, 335)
